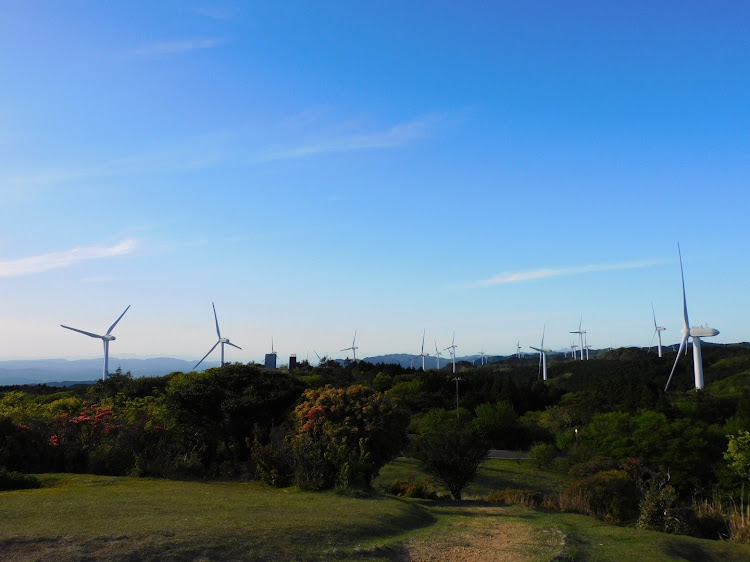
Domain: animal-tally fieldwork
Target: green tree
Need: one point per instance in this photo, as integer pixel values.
(452, 455)
(737, 454)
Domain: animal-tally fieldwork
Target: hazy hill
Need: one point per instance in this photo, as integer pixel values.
(35, 371)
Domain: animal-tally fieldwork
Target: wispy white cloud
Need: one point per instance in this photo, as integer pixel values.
(164, 48)
(401, 134)
(65, 258)
(533, 274)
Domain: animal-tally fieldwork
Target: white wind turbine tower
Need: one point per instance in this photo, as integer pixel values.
(586, 345)
(518, 350)
(542, 356)
(573, 348)
(354, 348)
(580, 337)
(106, 338)
(437, 355)
(657, 332)
(452, 347)
(696, 332)
(423, 354)
(221, 341)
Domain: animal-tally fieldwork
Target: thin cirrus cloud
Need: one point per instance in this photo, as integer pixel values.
(164, 48)
(534, 274)
(56, 260)
(401, 134)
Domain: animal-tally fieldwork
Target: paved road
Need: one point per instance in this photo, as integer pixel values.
(508, 455)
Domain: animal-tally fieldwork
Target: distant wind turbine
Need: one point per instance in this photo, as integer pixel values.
(437, 355)
(580, 337)
(696, 332)
(542, 356)
(423, 354)
(106, 338)
(657, 332)
(452, 347)
(354, 348)
(221, 341)
(481, 356)
(518, 350)
(586, 345)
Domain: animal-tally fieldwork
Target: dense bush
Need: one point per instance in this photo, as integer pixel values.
(411, 488)
(542, 455)
(452, 454)
(11, 480)
(344, 436)
(610, 495)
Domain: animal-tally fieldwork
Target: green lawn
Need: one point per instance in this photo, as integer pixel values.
(84, 517)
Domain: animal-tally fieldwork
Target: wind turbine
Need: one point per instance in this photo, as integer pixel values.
(657, 332)
(452, 347)
(354, 348)
(106, 338)
(586, 345)
(423, 354)
(318, 356)
(437, 355)
(573, 348)
(580, 337)
(221, 341)
(518, 350)
(696, 332)
(542, 356)
(481, 356)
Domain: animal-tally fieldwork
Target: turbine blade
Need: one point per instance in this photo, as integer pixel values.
(539, 372)
(682, 344)
(650, 345)
(684, 298)
(206, 355)
(654, 313)
(112, 327)
(230, 343)
(81, 331)
(216, 319)
(544, 329)
(355, 338)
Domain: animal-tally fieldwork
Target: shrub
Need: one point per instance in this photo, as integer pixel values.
(609, 495)
(591, 467)
(344, 436)
(659, 511)
(529, 498)
(452, 455)
(10, 480)
(542, 455)
(411, 488)
(274, 460)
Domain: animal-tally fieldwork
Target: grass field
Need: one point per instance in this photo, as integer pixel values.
(84, 517)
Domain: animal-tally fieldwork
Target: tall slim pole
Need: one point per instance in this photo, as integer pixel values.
(458, 411)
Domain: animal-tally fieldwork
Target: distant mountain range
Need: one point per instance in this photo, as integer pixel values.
(37, 371)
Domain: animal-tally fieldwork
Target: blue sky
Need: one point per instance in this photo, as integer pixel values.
(319, 167)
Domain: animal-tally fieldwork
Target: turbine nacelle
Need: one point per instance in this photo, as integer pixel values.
(701, 332)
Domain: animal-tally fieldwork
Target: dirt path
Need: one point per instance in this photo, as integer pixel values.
(485, 535)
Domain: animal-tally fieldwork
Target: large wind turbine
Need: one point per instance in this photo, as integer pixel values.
(580, 337)
(423, 354)
(221, 341)
(542, 355)
(437, 355)
(106, 338)
(452, 347)
(657, 332)
(518, 350)
(354, 348)
(696, 332)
